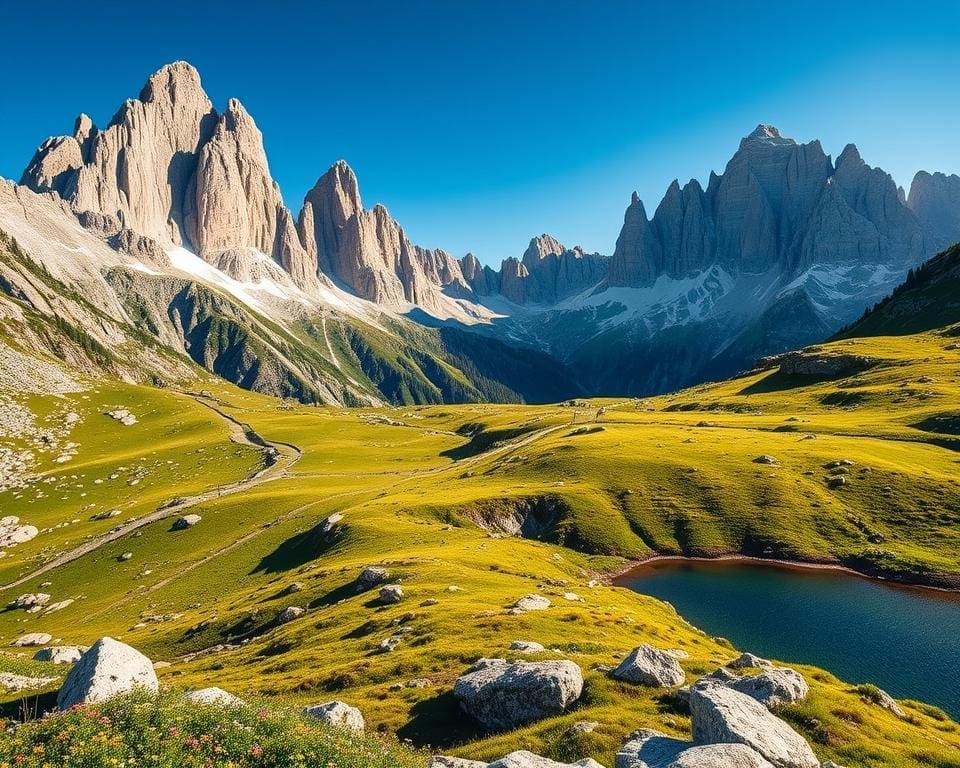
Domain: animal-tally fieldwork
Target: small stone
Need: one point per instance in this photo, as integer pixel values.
(392, 593)
(531, 602)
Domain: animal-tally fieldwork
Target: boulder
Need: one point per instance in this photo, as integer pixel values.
(773, 687)
(524, 759)
(532, 602)
(887, 701)
(392, 593)
(107, 669)
(647, 665)
(32, 638)
(60, 654)
(214, 695)
(720, 756)
(765, 459)
(290, 613)
(337, 714)
(187, 521)
(29, 601)
(442, 761)
(370, 577)
(748, 660)
(525, 646)
(504, 695)
(722, 715)
(13, 533)
(650, 749)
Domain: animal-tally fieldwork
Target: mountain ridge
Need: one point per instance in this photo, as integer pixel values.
(171, 179)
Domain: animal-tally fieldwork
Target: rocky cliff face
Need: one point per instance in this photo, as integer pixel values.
(782, 248)
(547, 273)
(169, 167)
(368, 251)
(935, 200)
(778, 205)
(139, 167)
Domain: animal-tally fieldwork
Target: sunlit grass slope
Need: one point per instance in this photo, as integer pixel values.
(430, 492)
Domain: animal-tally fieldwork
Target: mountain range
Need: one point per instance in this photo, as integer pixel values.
(161, 242)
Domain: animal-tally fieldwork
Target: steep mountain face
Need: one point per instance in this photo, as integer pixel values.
(369, 253)
(548, 272)
(935, 200)
(337, 304)
(778, 205)
(777, 252)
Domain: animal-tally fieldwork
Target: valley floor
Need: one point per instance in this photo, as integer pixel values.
(470, 508)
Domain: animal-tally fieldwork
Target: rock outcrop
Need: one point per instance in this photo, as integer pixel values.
(505, 695)
(773, 686)
(778, 204)
(646, 665)
(368, 251)
(651, 749)
(549, 272)
(107, 669)
(935, 200)
(337, 714)
(518, 759)
(722, 715)
(60, 654)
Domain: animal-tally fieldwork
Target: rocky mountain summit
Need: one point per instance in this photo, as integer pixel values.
(780, 250)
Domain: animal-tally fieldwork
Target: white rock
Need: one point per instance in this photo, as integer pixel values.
(187, 521)
(525, 646)
(337, 714)
(392, 593)
(651, 749)
(531, 602)
(212, 695)
(746, 660)
(29, 600)
(524, 759)
(647, 665)
(723, 716)
(32, 638)
(107, 669)
(12, 533)
(504, 695)
(290, 613)
(60, 654)
(773, 687)
(370, 577)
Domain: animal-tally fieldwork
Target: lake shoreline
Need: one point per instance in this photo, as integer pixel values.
(943, 584)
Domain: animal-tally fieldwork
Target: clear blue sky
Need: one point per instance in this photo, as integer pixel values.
(480, 124)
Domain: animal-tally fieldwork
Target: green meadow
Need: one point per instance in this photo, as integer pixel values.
(435, 494)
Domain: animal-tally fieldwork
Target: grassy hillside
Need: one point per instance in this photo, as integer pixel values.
(428, 492)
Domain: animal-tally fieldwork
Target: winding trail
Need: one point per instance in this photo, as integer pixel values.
(278, 458)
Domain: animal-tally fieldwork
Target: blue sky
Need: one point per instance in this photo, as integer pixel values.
(480, 124)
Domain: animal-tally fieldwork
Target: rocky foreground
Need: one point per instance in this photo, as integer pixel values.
(733, 709)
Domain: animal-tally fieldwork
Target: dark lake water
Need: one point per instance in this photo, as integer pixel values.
(905, 640)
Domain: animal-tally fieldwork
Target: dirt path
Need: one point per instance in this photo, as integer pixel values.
(279, 457)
